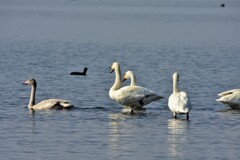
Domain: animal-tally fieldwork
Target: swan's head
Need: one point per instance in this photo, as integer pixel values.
(127, 75)
(85, 69)
(114, 66)
(30, 82)
(176, 76)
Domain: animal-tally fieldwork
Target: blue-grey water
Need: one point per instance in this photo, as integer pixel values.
(48, 39)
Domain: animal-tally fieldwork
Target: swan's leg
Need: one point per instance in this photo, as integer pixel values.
(132, 112)
(187, 116)
(175, 115)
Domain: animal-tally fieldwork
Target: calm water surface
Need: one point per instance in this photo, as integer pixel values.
(47, 40)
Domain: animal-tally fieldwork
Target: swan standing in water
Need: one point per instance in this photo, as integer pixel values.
(230, 98)
(45, 104)
(179, 102)
(134, 97)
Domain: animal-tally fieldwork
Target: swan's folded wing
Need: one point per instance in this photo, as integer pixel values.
(234, 98)
(185, 102)
(53, 104)
(133, 95)
(64, 103)
(228, 92)
(179, 103)
(46, 104)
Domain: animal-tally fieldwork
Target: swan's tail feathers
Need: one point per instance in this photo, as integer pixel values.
(156, 98)
(149, 99)
(159, 98)
(218, 100)
(66, 105)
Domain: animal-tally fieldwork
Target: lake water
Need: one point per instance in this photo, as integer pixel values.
(48, 39)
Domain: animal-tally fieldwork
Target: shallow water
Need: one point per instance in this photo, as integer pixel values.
(47, 40)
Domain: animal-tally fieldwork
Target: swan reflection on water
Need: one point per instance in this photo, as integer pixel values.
(177, 136)
(115, 123)
(136, 111)
(122, 131)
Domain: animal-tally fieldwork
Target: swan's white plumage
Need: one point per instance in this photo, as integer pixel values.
(179, 102)
(230, 98)
(45, 104)
(131, 96)
(135, 96)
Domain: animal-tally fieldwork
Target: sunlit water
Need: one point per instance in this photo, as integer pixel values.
(47, 40)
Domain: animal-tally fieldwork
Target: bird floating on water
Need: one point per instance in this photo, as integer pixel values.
(45, 104)
(84, 73)
(231, 98)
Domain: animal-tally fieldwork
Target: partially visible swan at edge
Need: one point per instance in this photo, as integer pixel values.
(134, 97)
(45, 104)
(230, 98)
(130, 75)
(179, 102)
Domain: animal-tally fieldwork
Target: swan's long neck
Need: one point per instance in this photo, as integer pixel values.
(118, 79)
(32, 96)
(133, 80)
(175, 86)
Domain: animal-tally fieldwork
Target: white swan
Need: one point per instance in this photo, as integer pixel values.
(132, 96)
(45, 104)
(130, 75)
(179, 102)
(230, 98)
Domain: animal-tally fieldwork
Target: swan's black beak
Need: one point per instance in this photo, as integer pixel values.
(111, 69)
(25, 83)
(124, 79)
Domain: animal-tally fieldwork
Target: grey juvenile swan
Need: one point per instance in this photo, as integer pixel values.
(45, 104)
